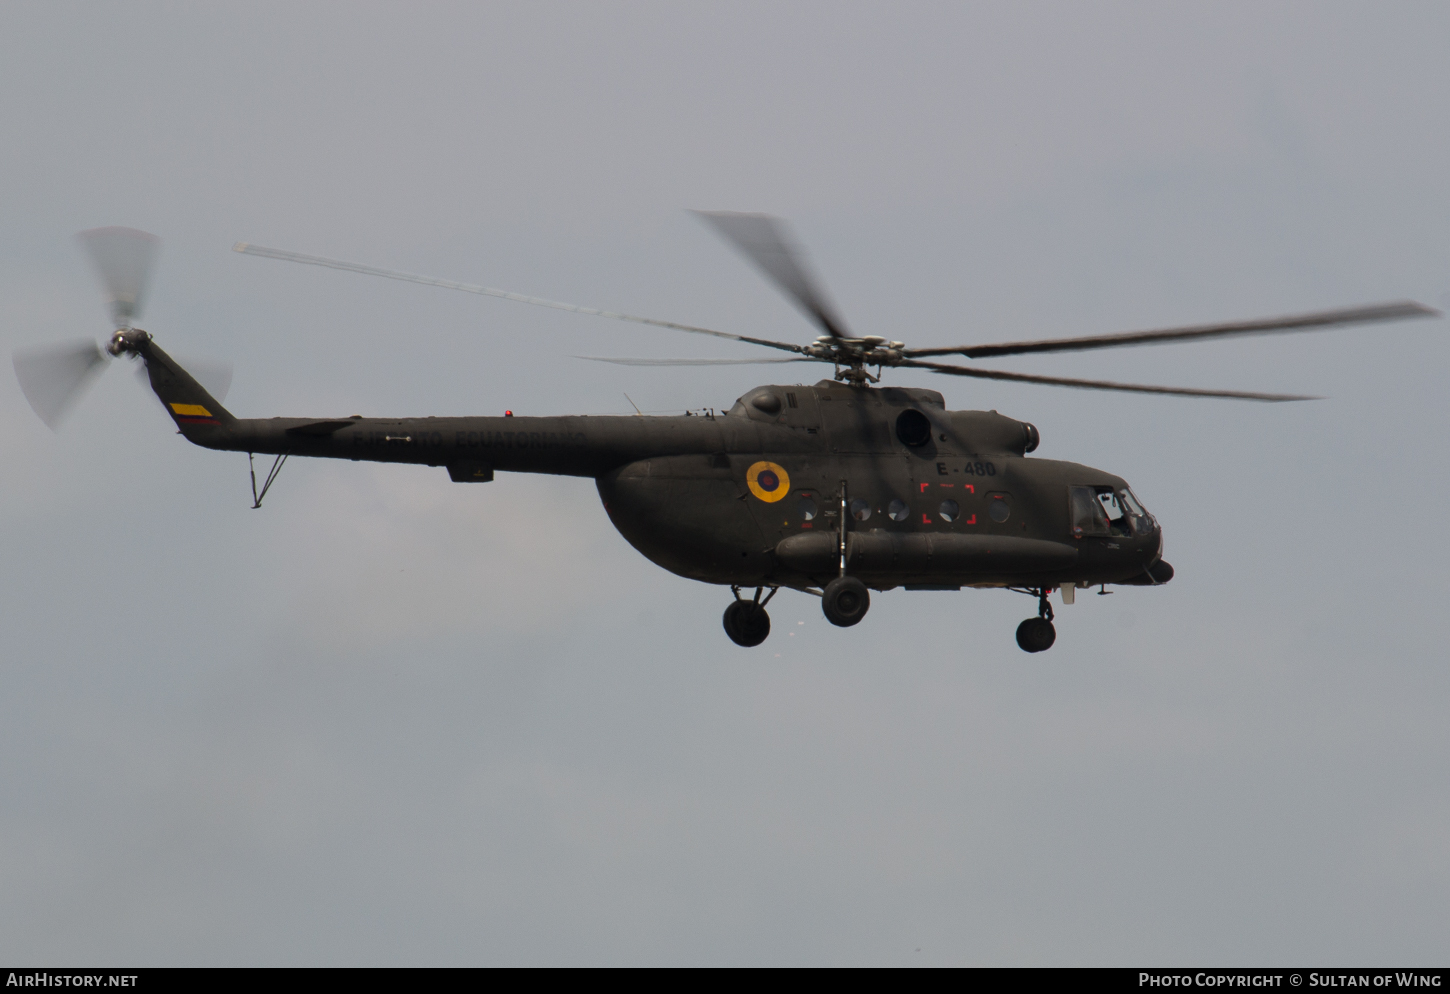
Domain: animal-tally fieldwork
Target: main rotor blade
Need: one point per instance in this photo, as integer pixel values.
(627, 361)
(123, 258)
(1296, 322)
(763, 240)
(1056, 381)
(54, 377)
(353, 267)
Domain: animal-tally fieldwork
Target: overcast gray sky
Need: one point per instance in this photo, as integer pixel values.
(388, 719)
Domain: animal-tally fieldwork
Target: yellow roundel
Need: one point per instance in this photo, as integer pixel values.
(768, 481)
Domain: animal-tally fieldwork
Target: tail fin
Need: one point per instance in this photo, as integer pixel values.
(190, 406)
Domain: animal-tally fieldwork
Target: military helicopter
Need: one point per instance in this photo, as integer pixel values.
(834, 489)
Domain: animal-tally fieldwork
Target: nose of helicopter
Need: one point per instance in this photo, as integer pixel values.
(1144, 524)
(1160, 571)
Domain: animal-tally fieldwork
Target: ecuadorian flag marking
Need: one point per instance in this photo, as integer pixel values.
(767, 480)
(192, 414)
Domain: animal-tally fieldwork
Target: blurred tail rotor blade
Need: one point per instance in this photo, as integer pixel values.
(123, 258)
(215, 377)
(53, 378)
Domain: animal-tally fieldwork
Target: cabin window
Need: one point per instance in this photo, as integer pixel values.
(950, 510)
(860, 509)
(998, 510)
(897, 510)
(807, 509)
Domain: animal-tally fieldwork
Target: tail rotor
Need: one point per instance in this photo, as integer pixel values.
(123, 258)
(54, 377)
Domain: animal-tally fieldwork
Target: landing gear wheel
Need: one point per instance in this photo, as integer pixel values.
(845, 601)
(746, 623)
(1036, 635)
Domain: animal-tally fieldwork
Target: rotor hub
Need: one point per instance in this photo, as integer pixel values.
(853, 355)
(127, 341)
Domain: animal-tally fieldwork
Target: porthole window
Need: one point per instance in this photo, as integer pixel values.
(897, 510)
(950, 510)
(860, 509)
(999, 511)
(807, 509)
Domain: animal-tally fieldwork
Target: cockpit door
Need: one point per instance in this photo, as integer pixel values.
(1086, 512)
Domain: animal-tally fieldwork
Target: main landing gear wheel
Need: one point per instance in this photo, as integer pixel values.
(845, 601)
(1037, 634)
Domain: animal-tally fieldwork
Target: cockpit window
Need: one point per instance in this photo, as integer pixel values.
(1105, 511)
(1138, 517)
(1117, 517)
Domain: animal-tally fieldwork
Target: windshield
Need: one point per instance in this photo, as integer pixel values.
(1107, 511)
(1141, 520)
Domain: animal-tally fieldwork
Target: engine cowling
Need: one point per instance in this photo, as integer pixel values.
(988, 431)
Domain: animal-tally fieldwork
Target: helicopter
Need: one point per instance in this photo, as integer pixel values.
(834, 489)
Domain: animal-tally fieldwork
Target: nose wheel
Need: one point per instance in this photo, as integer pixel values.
(1037, 634)
(745, 621)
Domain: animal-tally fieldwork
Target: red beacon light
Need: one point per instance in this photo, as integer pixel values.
(508, 414)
